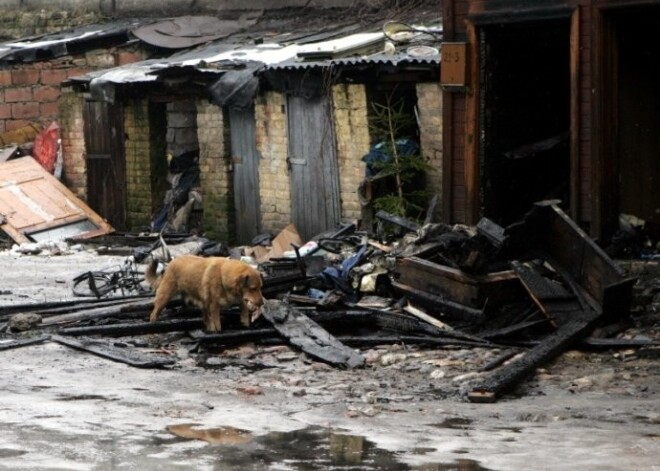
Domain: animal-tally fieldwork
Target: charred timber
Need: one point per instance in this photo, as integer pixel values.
(128, 355)
(308, 336)
(398, 221)
(555, 343)
(139, 328)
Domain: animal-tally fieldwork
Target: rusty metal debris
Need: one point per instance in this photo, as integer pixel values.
(530, 290)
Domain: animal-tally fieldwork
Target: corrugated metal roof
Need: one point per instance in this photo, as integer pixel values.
(60, 44)
(219, 58)
(418, 49)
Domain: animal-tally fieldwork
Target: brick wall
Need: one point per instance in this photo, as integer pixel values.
(218, 219)
(352, 134)
(73, 142)
(140, 160)
(272, 143)
(29, 92)
(429, 104)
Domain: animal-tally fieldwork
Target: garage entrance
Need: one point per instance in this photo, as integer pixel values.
(525, 116)
(631, 144)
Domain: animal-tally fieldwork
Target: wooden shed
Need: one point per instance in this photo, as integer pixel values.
(551, 99)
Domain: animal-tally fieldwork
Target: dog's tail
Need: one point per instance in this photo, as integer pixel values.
(151, 276)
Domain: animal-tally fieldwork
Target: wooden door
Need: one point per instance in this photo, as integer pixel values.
(106, 163)
(245, 160)
(315, 198)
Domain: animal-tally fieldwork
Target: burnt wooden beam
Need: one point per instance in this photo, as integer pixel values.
(499, 360)
(23, 342)
(137, 328)
(310, 337)
(398, 221)
(370, 341)
(235, 337)
(554, 344)
(449, 309)
(128, 355)
(126, 309)
(61, 306)
(512, 329)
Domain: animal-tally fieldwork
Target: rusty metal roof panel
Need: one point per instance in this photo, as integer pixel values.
(35, 205)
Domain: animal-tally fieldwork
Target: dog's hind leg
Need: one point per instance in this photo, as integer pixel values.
(164, 293)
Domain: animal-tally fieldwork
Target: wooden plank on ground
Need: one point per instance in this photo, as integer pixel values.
(506, 377)
(310, 337)
(105, 349)
(23, 342)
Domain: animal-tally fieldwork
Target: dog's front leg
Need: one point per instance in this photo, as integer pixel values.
(245, 315)
(212, 318)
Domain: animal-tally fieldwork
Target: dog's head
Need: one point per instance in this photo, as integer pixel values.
(248, 284)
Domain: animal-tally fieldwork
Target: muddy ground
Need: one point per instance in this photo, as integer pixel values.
(258, 408)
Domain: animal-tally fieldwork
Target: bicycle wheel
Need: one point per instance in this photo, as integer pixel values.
(92, 284)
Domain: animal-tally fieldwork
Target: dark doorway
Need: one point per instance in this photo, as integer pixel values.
(636, 96)
(106, 166)
(525, 117)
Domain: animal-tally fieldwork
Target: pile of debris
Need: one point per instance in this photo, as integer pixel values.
(531, 290)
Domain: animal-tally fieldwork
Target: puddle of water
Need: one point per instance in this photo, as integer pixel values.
(217, 436)
(309, 449)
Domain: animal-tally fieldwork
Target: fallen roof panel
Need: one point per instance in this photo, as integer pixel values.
(34, 204)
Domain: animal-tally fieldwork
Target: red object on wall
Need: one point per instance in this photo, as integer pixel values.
(45, 147)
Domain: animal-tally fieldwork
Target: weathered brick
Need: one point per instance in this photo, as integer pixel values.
(5, 110)
(20, 94)
(25, 110)
(48, 110)
(5, 78)
(53, 76)
(46, 94)
(25, 77)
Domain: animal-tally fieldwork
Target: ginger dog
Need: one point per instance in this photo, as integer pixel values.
(211, 283)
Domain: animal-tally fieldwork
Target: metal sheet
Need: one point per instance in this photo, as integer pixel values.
(188, 31)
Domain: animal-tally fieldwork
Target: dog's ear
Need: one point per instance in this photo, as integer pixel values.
(246, 281)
